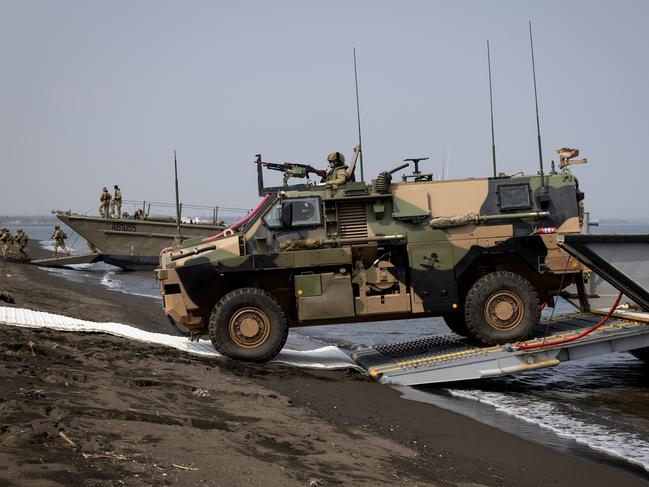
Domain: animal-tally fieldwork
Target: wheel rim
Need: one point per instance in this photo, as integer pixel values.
(249, 327)
(504, 310)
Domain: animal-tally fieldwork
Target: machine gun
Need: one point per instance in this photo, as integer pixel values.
(291, 169)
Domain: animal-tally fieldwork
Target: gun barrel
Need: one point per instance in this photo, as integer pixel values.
(398, 168)
(272, 165)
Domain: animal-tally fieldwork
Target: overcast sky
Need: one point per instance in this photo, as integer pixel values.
(100, 93)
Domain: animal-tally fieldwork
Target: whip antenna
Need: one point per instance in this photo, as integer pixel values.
(444, 163)
(358, 117)
(491, 106)
(179, 237)
(536, 103)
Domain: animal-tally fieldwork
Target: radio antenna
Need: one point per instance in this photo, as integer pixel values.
(536, 104)
(443, 163)
(358, 117)
(491, 107)
(179, 237)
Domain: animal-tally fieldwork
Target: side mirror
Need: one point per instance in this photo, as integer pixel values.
(287, 214)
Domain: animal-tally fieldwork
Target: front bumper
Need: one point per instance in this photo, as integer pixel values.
(175, 301)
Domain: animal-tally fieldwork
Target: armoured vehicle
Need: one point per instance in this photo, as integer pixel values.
(482, 253)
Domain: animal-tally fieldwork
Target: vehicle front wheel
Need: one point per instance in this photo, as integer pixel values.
(455, 322)
(501, 307)
(641, 354)
(248, 324)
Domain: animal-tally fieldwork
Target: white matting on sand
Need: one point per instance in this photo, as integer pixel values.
(320, 358)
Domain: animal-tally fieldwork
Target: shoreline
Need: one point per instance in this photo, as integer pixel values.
(300, 425)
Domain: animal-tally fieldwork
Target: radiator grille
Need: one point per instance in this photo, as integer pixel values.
(352, 220)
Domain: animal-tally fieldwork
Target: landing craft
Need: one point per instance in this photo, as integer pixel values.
(134, 241)
(482, 253)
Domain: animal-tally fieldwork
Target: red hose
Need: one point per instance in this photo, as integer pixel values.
(243, 221)
(576, 337)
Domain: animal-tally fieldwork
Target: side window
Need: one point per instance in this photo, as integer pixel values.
(514, 197)
(273, 218)
(294, 212)
(304, 211)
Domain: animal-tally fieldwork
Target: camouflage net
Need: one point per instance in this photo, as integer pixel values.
(454, 221)
(289, 245)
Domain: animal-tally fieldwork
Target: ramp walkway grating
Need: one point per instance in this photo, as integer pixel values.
(445, 358)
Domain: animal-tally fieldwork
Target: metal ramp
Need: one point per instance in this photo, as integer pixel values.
(71, 259)
(449, 358)
(620, 261)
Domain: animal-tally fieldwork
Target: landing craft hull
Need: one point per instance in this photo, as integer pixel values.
(132, 244)
(132, 263)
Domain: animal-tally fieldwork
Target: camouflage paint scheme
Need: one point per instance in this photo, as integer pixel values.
(369, 252)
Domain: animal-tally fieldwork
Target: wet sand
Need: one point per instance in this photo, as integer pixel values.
(92, 409)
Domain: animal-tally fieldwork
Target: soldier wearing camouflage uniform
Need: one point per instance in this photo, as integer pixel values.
(7, 240)
(116, 207)
(59, 237)
(22, 240)
(337, 173)
(104, 202)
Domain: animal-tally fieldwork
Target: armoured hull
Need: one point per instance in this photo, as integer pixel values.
(132, 244)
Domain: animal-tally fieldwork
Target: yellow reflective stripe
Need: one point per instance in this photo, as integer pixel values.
(620, 323)
(397, 365)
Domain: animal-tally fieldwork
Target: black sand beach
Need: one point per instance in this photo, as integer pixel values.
(92, 409)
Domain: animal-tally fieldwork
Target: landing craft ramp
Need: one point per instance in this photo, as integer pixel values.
(69, 260)
(620, 261)
(448, 358)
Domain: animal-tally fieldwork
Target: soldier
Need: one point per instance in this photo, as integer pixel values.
(104, 202)
(116, 208)
(59, 237)
(7, 240)
(337, 173)
(22, 240)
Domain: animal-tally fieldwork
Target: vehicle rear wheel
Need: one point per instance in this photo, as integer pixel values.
(248, 324)
(501, 307)
(455, 321)
(641, 354)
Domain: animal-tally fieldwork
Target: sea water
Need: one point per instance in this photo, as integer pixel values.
(597, 406)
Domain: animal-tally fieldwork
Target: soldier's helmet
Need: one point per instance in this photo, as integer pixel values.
(104, 188)
(116, 187)
(20, 230)
(56, 227)
(336, 159)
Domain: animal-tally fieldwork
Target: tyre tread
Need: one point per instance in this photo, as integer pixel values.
(475, 295)
(222, 345)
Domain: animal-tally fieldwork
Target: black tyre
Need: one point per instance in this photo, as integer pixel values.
(641, 354)
(248, 324)
(455, 321)
(501, 307)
